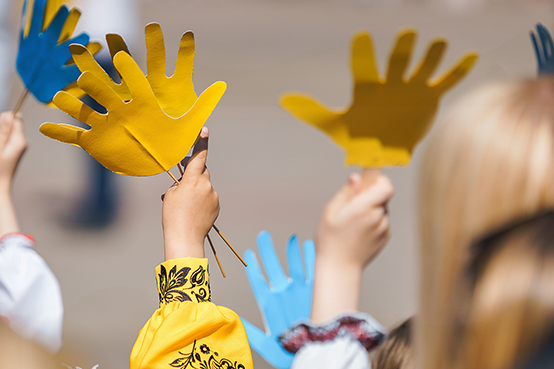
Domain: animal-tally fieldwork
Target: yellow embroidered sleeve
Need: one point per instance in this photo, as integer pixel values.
(188, 331)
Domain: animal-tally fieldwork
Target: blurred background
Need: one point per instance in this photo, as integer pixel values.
(271, 172)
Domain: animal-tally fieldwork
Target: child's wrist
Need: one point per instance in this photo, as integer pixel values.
(338, 262)
(175, 248)
(337, 267)
(345, 283)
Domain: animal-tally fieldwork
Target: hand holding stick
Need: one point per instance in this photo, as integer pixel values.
(187, 219)
(353, 230)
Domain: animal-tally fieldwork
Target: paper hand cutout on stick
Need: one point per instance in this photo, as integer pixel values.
(175, 94)
(387, 117)
(544, 50)
(43, 60)
(136, 137)
(283, 302)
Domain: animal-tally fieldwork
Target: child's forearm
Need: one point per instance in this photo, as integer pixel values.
(336, 289)
(8, 219)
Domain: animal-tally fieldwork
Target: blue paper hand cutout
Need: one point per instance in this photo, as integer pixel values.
(41, 60)
(283, 302)
(544, 50)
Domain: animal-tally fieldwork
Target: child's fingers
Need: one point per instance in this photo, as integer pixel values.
(18, 134)
(169, 189)
(374, 198)
(6, 124)
(196, 165)
(345, 193)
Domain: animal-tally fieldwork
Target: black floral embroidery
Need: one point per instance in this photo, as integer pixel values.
(203, 360)
(205, 349)
(169, 284)
(198, 277)
(174, 285)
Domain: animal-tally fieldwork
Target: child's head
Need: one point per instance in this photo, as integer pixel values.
(396, 351)
(507, 312)
(493, 160)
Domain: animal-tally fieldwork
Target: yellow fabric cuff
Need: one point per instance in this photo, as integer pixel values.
(185, 334)
(183, 279)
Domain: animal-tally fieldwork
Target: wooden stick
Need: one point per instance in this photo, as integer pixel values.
(20, 101)
(370, 176)
(180, 169)
(215, 254)
(228, 244)
(172, 176)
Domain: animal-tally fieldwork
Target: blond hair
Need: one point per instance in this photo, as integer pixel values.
(509, 305)
(492, 161)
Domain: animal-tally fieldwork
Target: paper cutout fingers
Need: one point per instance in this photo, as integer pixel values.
(44, 60)
(50, 10)
(136, 137)
(389, 116)
(86, 63)
(283, 300)
(544, 50)
(175, 94)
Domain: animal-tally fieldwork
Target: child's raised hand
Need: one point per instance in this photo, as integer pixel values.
(355, 223)
(191, 207)
(12, 146)
(352, 231)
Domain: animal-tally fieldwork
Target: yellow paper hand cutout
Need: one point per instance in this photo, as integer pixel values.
(137, 137)
(175, 94)
(387, 118)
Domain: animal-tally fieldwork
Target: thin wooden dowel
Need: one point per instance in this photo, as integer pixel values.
(228, 244)
(370, 176)
(22, 98)
(172, 176)
(180, 169)
(215, 254)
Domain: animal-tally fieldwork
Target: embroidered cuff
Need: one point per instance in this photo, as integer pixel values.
(17, 239)
(184, 279)
(359, 327)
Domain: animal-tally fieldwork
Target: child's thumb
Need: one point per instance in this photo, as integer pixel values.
(346, 193)
(199, 156)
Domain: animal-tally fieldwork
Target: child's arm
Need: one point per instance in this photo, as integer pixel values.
(23, 273)
(353, 230)
(12, 146)
(188, 331)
